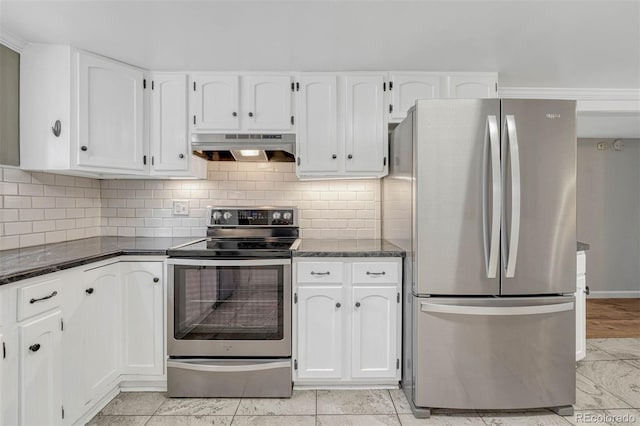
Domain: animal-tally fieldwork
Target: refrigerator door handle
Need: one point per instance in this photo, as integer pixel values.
(491, 151)
(439, 308)
(511, 135)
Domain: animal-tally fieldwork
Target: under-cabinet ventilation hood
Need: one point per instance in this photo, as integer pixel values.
(244, 147)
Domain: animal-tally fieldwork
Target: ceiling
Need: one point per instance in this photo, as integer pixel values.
(591, 44)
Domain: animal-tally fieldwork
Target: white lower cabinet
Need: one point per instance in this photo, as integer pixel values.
(320, 332)
(142, 318)
(374, 340)
(581, 306)
(71, 338)
(347, 319)
(40, 377)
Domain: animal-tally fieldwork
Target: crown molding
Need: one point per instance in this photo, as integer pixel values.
(13, 42)
(610, 101)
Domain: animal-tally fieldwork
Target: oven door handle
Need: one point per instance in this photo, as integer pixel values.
(243, 262)
(228, 368)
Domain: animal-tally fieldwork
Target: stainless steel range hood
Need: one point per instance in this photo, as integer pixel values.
(244, 147)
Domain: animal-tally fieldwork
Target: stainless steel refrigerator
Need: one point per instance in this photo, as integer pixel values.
(482, 196)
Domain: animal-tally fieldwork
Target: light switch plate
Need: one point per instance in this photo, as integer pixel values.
(180, 207)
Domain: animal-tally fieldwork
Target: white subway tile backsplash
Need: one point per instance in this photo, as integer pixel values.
(50, 208)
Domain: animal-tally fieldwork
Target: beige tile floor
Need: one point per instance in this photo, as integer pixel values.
(607, 387)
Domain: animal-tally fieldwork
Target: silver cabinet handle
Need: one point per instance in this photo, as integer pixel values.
(491, 151)
(57, 128)
(511, 135)
(376, 274)
(320, 273)
(32, 301)
(181, 156)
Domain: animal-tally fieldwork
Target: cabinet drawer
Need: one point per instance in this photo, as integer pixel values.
(375, 272)
(39, 297)
(320, 272)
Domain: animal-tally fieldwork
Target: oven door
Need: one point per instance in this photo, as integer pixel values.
(229, 308)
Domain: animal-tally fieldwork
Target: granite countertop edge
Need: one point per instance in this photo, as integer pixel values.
(72, 263)
(348, 248)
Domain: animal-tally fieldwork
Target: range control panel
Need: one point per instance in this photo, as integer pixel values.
(272, 216)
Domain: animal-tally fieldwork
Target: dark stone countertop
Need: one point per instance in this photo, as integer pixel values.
(583, 246)
(348, 248)
(28, 262)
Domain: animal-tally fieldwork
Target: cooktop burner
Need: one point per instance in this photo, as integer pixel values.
(235, 232)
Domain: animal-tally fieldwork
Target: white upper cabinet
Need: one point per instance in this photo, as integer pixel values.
(472, 85)
(80, 112)
(341, 126)
(170, 147)
(267, 103)
(241, 103)
(365, 124)
(110, 114)
(406, 88)
(317, 135)
(215, 102)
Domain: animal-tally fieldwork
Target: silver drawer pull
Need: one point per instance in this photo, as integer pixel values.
(376, 274)
(43, 298)
(320, 273)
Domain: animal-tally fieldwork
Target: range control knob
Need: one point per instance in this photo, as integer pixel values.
(226, 215)
(276, 215)
(287, 216)
(217, 215)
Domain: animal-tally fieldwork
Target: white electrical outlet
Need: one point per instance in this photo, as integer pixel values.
(602, 146)
(180, 207)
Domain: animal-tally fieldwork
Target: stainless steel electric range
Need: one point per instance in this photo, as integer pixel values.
(229, 306)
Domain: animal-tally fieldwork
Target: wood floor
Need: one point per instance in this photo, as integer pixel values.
(613, 318)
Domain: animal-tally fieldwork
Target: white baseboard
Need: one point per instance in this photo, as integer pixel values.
(627, 294)
(99, 405)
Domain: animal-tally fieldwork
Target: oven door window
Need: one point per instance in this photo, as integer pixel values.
(229, 303)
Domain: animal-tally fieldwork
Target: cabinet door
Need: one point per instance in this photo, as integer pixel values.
(318, 124)
(320, 322)
(168, 136)
(406, 88)
(267, 103)
(100, 316)
(374, 353)
(365, 125)
(41, 371)
(142, 316)
(581, 307)
(110, 115)
(216, 102)
(472, 86)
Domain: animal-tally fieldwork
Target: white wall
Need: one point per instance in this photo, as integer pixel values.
(609, 216)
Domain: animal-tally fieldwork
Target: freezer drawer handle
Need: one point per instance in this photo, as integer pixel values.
(498, 311)
(229, 368)
(491, 151)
